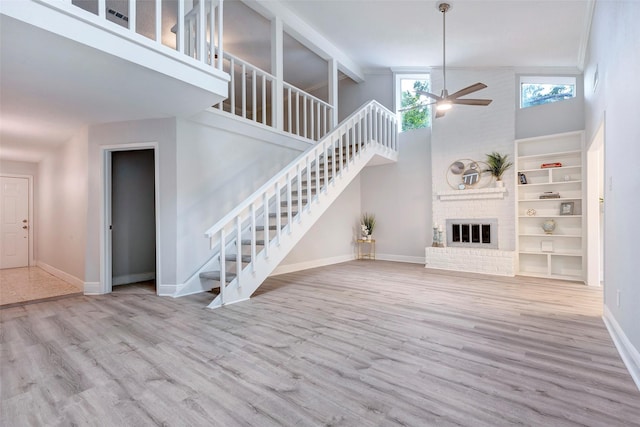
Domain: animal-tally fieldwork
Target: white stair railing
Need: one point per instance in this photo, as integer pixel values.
(250, 90)
(305, 115)
(251, 94)
(295, 190)
(198, 30)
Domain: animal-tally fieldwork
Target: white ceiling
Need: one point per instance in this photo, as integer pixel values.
(46, 96)
(480, 33)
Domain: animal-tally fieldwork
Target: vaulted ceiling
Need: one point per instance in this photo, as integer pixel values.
(374, 34)
(480, 33)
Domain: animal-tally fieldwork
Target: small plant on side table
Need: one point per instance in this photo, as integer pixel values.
(367, 224)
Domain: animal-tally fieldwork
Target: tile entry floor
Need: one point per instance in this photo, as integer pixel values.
(27, 285)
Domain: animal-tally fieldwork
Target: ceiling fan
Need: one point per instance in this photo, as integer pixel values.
(444, 102)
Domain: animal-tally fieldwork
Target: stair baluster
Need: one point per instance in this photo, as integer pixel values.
(278, 216)
(223, 269)
(239, 249)
(309, 195)
(265, 220)
(289, 222)
(253, 235)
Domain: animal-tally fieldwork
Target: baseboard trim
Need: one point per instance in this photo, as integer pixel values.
(61, 274)
(461, 270)
(629, 354)
(290, 268)
(92, 288)
(133, 278)
(166, 290)
(401, 258)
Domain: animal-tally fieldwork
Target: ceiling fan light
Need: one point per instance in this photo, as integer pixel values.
(443, 106)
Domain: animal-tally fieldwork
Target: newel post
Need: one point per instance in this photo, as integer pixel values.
(277, 69)
(333, 92)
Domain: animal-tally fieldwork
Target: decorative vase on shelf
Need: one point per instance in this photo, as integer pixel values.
(499, 184)
(548, 226)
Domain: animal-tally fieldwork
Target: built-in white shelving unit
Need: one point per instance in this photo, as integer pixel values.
(559, 255)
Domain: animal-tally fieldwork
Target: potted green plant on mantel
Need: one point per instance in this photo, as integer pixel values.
(498, 164)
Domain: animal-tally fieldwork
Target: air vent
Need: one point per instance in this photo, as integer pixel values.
(117, 14)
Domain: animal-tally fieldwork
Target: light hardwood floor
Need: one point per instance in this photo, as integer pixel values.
(365, 343)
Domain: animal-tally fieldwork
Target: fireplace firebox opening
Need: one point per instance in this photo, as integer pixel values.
(473, 233)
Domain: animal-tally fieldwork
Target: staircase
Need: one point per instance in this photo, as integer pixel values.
(250, 241)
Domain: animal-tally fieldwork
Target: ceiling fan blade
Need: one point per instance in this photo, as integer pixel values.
(481, 102)
(430, 95)
(467, 90)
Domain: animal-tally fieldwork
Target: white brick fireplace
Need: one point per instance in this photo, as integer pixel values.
(476, 206)
(471, 133)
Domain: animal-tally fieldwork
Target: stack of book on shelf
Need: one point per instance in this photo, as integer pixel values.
(551, 165)
(550, 195)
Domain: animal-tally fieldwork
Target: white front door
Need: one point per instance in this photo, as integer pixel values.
(14, 222)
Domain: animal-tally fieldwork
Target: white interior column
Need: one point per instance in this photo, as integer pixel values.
(333, 91)
(277, 69)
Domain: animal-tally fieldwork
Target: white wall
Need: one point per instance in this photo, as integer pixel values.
(332, 238)
(18, 168)
(207, 165)
(470, 132)
(220, 162)
(399, 195)
(62, 207)
(547, 119)
(351, 95)
(115, 135)
(613, 50)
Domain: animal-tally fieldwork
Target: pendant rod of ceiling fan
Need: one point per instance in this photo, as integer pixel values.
(444, 7)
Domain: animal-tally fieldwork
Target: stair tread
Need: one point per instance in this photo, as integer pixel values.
(271, 227)
(294, 204)
(282, 214)
(215, 275)
(232, 257)
(248, 242)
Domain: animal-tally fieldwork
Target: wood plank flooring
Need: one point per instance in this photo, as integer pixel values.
(364, 343)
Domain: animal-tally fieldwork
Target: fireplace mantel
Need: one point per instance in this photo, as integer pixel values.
(473, 194)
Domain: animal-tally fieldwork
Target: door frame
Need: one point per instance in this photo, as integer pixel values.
(106, 264)
(31, 260)
(595, 154)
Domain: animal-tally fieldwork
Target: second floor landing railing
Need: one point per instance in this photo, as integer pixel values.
(196, 25)
(251, 97)
(195, 28)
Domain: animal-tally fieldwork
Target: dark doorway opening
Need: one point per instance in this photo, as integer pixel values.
(133, 218)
